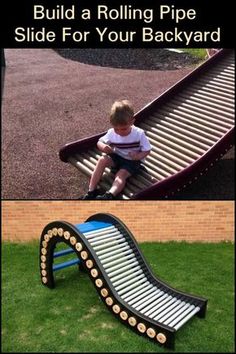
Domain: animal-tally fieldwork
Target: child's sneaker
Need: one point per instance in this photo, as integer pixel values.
(106, 196)
(90, 195)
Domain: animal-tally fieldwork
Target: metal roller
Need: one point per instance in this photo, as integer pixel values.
(129, 276)
(157, 305)
(140, 292)
(100, 232)
(176, 314)
(186, 318)
(160, 315)
(181, 315)
(159, 309)
(107, 242)
(131, 283)
(124, 257)
(112, 254)
(122, 268)
(165, 315)
(105, 238)
(142, 304)
(138, 300)
(103, 232)
(131, 290)
(109, 250)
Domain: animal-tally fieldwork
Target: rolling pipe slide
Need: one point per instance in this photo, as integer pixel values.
(122, 277)
(190, 127)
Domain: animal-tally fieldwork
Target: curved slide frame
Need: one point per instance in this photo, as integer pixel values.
(190, 127)
(107, 250)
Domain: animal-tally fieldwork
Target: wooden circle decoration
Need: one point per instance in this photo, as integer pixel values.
(141, 327)
(43, 272)
(89, 263)
(73, 240)
(123, 315)
(67, 235)
(99, 283)
(44, 244)
(60, 231)
(43, 265)
(78, 246)
(151, 332)
(109, 301)
(84, 255)
(104, 292)
(44, 280)
(161, 338)
(132, 321)
(116, 308)
(43, 251)
(49, 232)
(43, 258)
(46, 237)
(54, 231)
(94, 272)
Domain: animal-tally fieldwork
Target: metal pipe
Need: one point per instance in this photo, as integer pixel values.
(132, 293)
(65, 264)
(191, 314)
(134, 272)
(120, 287)
(147, 294)
(63, 252)
(132, 286)
(130, 264)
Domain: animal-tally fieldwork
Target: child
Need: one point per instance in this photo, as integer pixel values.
(125, 146)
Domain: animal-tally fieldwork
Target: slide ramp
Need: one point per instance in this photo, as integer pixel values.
(107, 250)
(190, 127)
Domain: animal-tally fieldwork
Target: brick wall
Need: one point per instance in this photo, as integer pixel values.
(208, 221)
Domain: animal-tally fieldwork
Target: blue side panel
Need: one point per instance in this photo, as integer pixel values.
(92, 226)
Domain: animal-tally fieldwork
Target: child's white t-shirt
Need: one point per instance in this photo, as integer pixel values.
(136, 141)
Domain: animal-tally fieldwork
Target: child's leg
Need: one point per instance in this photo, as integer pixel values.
(103, 162)
(119, 181)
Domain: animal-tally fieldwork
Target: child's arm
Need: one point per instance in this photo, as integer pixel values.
(138, 155)
(104, 147)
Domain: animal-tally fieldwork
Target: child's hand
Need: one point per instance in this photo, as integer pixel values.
(107, 149)
(134, 155)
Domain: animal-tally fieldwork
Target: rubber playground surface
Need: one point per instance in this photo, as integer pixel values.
(48, 101)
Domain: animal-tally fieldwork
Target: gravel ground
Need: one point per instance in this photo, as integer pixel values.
(131, 58)
(49, 100)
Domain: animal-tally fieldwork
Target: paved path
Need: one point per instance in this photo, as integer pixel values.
(49, 101)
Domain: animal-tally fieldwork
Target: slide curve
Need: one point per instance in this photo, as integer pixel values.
(107, 250)
(190, 127)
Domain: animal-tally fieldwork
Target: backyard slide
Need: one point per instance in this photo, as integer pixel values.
(106, 249)
(190, 126)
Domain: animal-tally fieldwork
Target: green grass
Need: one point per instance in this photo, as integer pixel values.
(72, 318)
(196, 52)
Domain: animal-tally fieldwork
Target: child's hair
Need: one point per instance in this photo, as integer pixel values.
(122, 112)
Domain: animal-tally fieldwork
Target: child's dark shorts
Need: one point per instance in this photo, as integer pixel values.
(132, 166)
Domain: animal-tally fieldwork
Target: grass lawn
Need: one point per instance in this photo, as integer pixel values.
(196, 52)
(72, 318)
